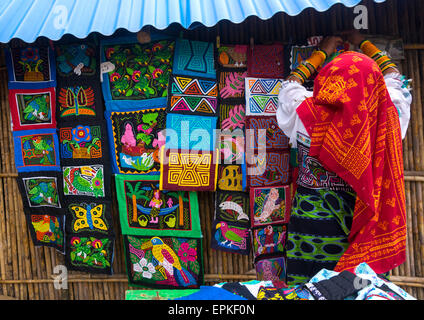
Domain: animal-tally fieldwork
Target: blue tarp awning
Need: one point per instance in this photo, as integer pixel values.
(30, 19)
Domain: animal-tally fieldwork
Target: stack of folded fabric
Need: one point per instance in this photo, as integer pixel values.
(160, 226)
(32, 99)
(267, 161)
(230, 228)
(84, 158)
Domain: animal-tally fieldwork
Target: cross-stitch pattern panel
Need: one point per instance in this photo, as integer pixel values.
(30, 67)
(231, 177)
(89, 254)
(88, 180)
(232, 207)
(262, 96)
(36, 150)
(164, 262)
(141, 70)
(194, 58)
(41, 192)
(47, 230)
(75, 61)
(188, 170)
(268, 240)
(191, 95)
(271, 269)
(190, 132)
(146, 210)
(232, 56)
(135, 139)
(230, 237)
(270, 205)
(33, 108)
(231, 85)
(87, 217)
(270, 168)
(275, 137)
(83, 142)
(232, 116)
(266, 61)
(79, 101)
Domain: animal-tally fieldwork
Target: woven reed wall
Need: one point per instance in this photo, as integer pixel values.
(26, 272)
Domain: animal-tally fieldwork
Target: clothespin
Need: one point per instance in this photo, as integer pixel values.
(218, 41)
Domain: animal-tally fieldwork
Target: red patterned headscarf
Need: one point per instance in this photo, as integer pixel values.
(355, 132)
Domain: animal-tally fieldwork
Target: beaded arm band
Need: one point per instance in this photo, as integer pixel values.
(383, 61)
(303, 71)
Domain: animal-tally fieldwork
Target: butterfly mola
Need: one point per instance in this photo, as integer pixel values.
(88, 217)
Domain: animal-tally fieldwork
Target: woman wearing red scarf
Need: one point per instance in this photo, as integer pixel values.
(349, 205)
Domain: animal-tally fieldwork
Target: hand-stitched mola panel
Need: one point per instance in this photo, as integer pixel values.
(232, 207)
(231, 177)
(146, 210)
(270, 168)
(270, 205)
(79, 100)
(271, 269)
(262, 96)
(86, 216)
(231, 85)
(269, 239)
(299, 54)
(230, 237)
(188, 170)
(47, 230)
(41, 192)
(141, 71)
(232, 56)
(88, 180)
(33, 108)
(30, 67)
(266, 61)
(190, 95)
(232, 116)
(231, 145)
(75, 61)
(163, 262)
(270, 132)
(190, 132)
(135, 139)
(84, 142)
(194, 58)
(91, 254)
(36, 150)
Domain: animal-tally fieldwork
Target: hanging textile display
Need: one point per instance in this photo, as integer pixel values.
(262, 96)
(266, 61)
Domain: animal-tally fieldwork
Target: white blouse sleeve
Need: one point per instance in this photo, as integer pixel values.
(291, 95)
(401, 98)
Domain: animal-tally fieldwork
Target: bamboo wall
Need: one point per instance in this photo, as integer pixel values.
(26, 272)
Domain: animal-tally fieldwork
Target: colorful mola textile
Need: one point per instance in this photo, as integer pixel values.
(191, 132)
(232, 56)
(79, 101)
(141, 72)
(266, 61)
(230, 237)
(262, 96)
(83, 142)
(93, 254)
(30, 67)
(231, 177)
(135, 139)
(194, 58)
(33, 108)
(272, 134)
(269, 239)
(232, 207)
(231, 145)
(270, 205)
(232, 116)
(41, 192)
(36, 150)
(163, 262)
(355, 133)
(76, 61)
(231, 85)
(47, 230)
(193, 95)
(271, 269)
(146, 210)
(299, 54)
(188, 170)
